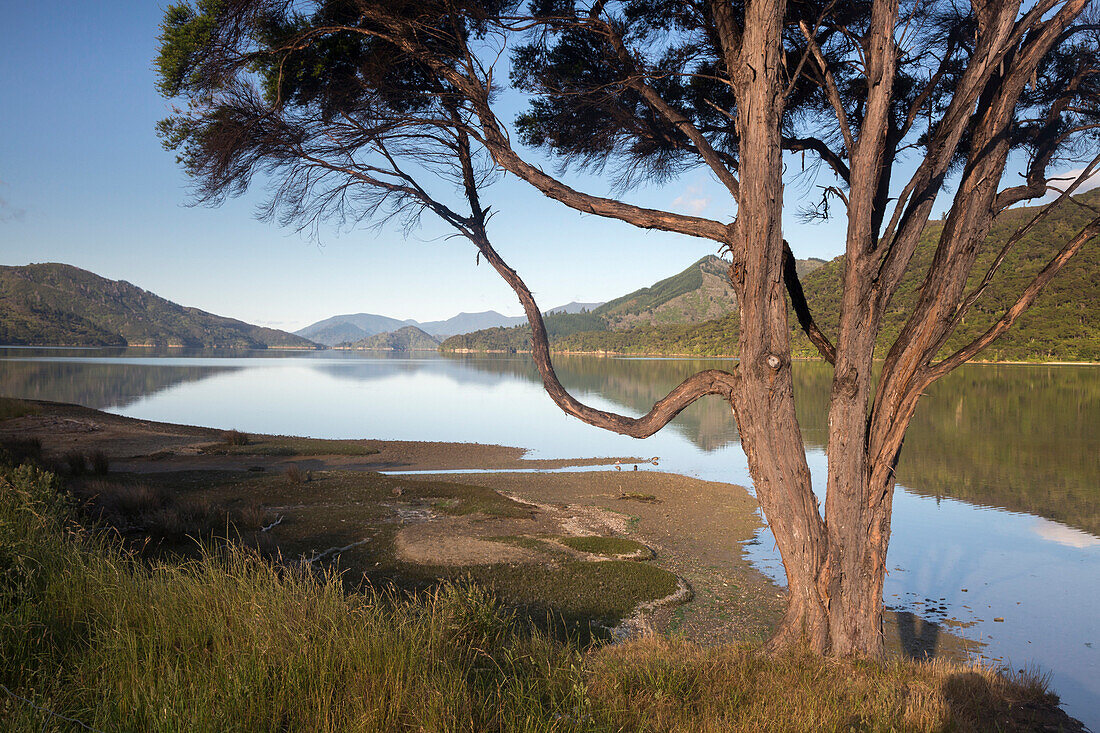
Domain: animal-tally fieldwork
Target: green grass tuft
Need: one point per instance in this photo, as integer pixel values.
(11, 408)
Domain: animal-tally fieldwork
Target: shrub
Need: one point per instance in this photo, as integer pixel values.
(293, 474)
(235, 437)
(20, 450)
(76, 462)
(100, 463)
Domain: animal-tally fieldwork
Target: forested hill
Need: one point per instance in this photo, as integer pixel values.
(699, 293)
(406, 338)
(1062, 325)
(60, 305)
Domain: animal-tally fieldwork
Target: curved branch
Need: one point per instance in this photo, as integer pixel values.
(817, 145)
(701, 384)
(707, 382)
(802, 308)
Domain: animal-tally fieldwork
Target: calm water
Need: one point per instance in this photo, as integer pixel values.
(1000, 475)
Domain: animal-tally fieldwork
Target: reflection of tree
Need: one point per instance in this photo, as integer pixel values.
(1021, 438)
(94, 384)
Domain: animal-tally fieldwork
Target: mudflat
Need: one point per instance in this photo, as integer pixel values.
(631, 551)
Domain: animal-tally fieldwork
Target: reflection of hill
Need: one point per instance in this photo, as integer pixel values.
(92, 384)
(1015, 437)
(1020, 438)
(635, 384)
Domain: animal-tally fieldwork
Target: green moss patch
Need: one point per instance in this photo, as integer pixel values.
(606, 546)
(575, 590)
(288, 446)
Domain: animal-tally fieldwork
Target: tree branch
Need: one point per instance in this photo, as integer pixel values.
(802, 308)
(707, 382)
(831, 91)
(796, 144)
(683, 124)
(1029, 295)
(975, 294)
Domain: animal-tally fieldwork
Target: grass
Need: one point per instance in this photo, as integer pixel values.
(229, 642)
(606, 546)
(239, 444)
(11, 408)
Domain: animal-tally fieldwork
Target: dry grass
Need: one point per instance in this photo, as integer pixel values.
(157, 512)
(661, 685)
(231, 642)
(235, 437)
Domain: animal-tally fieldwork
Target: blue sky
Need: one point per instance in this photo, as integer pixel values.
(83, 180)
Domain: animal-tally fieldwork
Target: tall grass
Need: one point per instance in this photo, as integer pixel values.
(230, 642)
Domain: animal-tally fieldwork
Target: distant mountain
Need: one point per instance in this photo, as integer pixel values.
(348, 328)
(467, 322)
(54, 304)
(354, 327)
(574, 307)
(406, 338)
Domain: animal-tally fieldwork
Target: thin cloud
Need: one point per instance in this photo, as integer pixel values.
(692, 200)
(9, 211)
(1066, 179)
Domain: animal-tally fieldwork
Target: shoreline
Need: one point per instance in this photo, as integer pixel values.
(731, 357)
(517, 352)
(734, 601)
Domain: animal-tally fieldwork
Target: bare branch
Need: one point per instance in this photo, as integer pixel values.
(831, 90)
(796, 144)
(701, 384)
(975, 294)
(1029, 295)
(802, 308)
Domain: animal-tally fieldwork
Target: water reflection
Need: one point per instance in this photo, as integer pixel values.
(1023, 438)
(99, 385)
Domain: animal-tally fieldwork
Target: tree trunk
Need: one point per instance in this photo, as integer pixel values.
(764, 399)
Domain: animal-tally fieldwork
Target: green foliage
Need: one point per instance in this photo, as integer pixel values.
(185, 32)
(518, 338)
(1062, 325)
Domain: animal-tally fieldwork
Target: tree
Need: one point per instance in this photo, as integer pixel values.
(351, 108)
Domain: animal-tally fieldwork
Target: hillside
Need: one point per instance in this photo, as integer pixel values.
(518, 338)
(698, 294)
(1063, 324)
(406, 338)
(54, 304)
